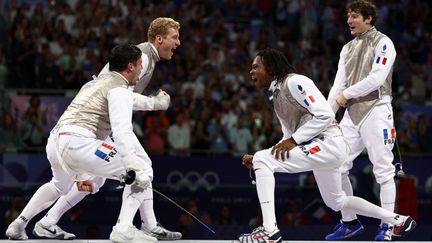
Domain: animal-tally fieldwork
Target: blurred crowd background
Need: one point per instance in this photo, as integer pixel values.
(54, 47)
(50, 48)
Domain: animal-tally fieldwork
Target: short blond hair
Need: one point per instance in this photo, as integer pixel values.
(160, 26)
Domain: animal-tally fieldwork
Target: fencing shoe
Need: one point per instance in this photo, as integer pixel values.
(404, 228)
(129, 234)
(260, 235)
(344, 231)
(16, 232)
(161, 233)
(51, 232)
(384, 233)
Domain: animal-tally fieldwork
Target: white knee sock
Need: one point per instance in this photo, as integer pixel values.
(388, 195)
(265, 184)
(62, 205)
(131, 200)
(148, 218)
(363, 207)
(347, 214)
(42, 199)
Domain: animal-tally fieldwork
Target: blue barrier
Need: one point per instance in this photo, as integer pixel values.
(211, 183)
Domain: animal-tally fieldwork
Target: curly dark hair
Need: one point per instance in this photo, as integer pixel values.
(276, 64)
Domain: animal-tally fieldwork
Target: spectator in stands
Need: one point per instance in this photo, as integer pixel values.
(3, 68)
(293, 215)
(225, 216)
(257, 220)
(179, 136)
(240, 138)
(185, 220)
(424, 133)
(200, 138)
(155, 133)
(219, 142)
(34, 121)
(205, 64)
(10, 138)
(412, 134)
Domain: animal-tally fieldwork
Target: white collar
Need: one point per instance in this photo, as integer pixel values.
(155, 51)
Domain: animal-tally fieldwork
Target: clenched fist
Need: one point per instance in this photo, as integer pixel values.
(161, 100)
(247, 161)
(85, 186)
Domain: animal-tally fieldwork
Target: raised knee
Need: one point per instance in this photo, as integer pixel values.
(258, 159)
(335, 203)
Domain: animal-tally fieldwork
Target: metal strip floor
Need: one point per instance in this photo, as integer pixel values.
(183, 241)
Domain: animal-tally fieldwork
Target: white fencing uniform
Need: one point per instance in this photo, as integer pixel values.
(307, 117)
(140, 103)
(364, 77)
(321, 144)
(76, 149)
(79, 136)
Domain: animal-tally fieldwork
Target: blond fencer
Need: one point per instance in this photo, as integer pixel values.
(163, 38)
(77, 150)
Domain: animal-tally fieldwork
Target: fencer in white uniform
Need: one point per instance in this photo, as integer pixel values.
(312, 141)
(363, 84)
(163, 37)
(77, 150)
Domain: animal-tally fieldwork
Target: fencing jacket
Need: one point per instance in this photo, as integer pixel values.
(100, 106)
(302, 110)
(149, 58)
(364, 73)
(90, 108)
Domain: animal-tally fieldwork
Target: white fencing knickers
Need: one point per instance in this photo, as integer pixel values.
(84, 156)
(377, 134)
(322, 155)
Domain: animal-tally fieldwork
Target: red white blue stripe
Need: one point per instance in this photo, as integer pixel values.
(103, 150)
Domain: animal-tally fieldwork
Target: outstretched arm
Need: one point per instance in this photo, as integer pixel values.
(160, 101)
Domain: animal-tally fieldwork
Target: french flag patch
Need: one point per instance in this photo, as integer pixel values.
(392, 133)
(105, 152)
(389, 138)
(310, 99)
(383, 61)
(314, 150)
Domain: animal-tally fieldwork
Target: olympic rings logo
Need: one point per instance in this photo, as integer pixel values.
(193, 180)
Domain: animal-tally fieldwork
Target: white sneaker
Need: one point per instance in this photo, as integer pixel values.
(162, 234)
(15, 232)
(51, 232)
(260, 235)
(128, 234)
(405, 227)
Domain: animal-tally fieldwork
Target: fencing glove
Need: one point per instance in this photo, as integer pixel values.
(161, 100)
(131, 163)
